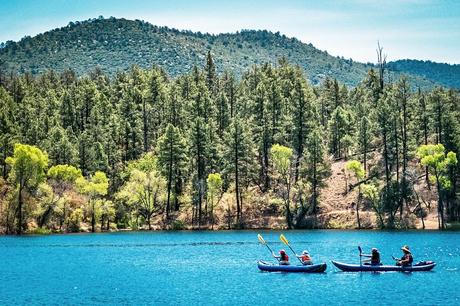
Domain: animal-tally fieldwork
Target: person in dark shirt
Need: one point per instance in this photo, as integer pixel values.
(407, 258)
(374, 257)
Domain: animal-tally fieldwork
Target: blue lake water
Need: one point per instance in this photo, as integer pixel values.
(219, 268)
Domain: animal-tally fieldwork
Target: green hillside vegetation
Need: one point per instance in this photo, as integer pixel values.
(117, 44)
(445, 74)
(206, 149)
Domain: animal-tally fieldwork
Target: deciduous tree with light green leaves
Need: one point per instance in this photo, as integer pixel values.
(106, 211)
(282, 158)
(62, 178)
(94, 187)
(145, 191)
(371, 193)
(214, 182)
(439, 163)
(354, 168)
(357, 170)
(28, 165)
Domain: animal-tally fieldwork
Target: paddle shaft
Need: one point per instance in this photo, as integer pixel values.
(360, 256)
(294, 252)
(262, 241)
(270, 249)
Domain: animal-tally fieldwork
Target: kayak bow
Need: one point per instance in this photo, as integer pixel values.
(422, 266)
(269, 267)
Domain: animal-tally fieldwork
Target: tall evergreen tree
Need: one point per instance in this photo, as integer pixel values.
(171, 161)
(239, 157)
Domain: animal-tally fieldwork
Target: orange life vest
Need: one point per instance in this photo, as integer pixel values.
(305, 257)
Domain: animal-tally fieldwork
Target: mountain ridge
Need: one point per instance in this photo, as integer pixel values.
(116, 44)
(449, 73)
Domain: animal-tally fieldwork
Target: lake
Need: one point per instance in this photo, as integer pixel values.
(219, 268)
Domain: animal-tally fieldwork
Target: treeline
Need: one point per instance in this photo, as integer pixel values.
(142, 148)
(115, 44)
(444, 74)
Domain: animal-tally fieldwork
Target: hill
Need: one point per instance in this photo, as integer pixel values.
(445, 74)
(116, 44)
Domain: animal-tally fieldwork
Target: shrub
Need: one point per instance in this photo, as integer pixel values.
(40, 231)
(177, 225)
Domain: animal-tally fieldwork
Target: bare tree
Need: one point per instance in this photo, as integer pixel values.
(381, 63)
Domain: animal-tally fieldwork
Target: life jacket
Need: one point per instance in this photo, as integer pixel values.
(284, 257)
(305, 257)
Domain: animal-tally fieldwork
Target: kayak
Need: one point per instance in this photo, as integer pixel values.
(269, 267)
(421, 266)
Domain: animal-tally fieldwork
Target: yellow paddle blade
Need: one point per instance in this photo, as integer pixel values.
(284, 240)
(261, 239)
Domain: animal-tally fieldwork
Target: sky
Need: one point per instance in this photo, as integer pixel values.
(415, 29)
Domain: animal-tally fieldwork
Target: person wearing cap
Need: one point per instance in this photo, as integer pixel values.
(305, 258)
(374, 257)
(406, 259)
(283, 258)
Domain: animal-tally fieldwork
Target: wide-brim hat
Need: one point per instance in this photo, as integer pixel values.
(406, 248)
(305, 252)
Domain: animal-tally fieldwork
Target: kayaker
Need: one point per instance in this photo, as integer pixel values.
(305, 258)
(407, 258)
(374, 257)
(283, 258)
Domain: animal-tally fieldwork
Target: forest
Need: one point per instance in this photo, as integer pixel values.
(143, 150)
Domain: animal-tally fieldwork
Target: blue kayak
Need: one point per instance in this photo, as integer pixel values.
(421, 266)
(269, 267)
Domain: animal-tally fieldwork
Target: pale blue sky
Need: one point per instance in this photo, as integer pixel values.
(419, 29)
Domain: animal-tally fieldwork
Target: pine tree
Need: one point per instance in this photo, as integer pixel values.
(405, 114)
(239, 156)
(153, 107)
(199, 151)
(211, 76)
(317, 169)
(8, 129)
(171, 161)
(60, 148)
(262, 133)
(230, 90)
(302, 100)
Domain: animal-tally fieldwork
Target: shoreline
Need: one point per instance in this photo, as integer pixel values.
(262, 230)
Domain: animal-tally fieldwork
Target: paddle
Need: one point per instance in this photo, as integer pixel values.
(286, 242)
(360, 255)
(262, 241)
